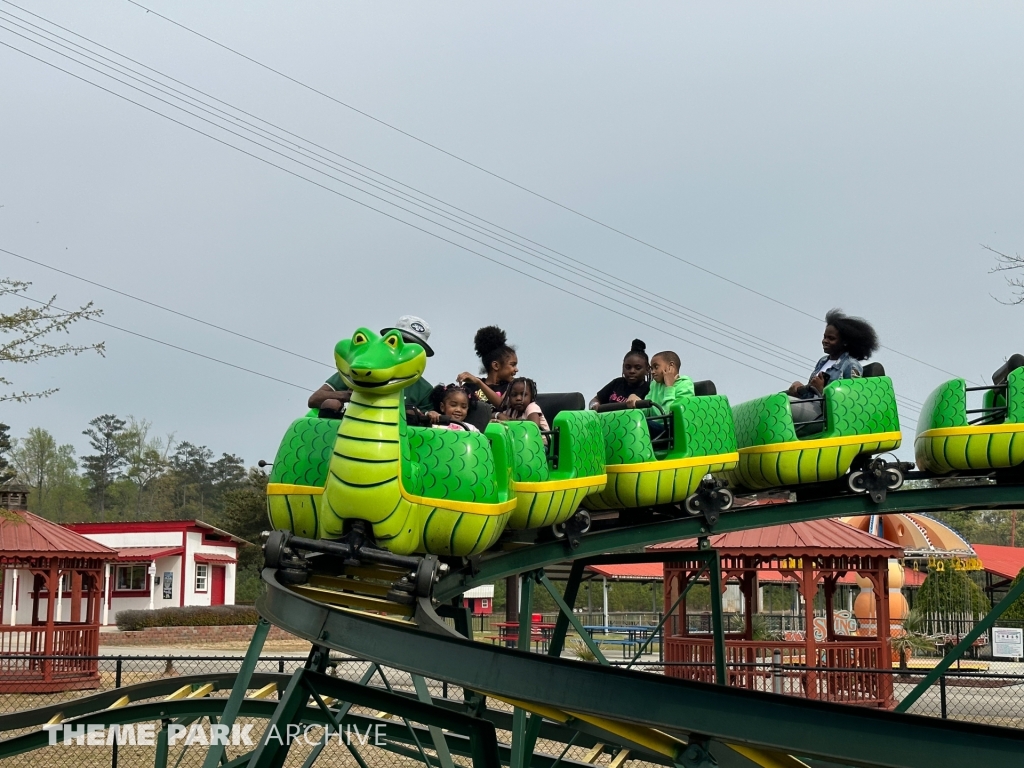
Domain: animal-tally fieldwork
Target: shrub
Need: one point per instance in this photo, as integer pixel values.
(189, 616)
(1016, 609)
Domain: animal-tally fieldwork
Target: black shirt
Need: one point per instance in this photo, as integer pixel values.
(618, 391)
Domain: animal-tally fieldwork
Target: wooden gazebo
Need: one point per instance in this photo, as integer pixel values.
(822, 664)
(48, 573)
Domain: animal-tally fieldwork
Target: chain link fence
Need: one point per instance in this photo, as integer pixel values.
(994, 696)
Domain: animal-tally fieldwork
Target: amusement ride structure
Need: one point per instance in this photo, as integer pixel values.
(380, 526)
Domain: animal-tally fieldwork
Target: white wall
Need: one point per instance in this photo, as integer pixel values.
(137, 539)
(194, 545)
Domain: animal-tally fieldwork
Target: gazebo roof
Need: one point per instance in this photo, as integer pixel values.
(24, 535)
(811, 538)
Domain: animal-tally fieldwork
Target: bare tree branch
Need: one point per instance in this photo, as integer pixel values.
(26, 329)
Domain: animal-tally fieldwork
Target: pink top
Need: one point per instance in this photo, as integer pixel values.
(457, 427)
(530, 409)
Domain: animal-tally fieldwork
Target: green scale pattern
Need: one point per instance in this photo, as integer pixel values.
(627, 440)
(305, 452)
(529, 458)
(764, 421)
(860, 407)
(703, 427)
(452, 464)
(946, 406)
(581, 450)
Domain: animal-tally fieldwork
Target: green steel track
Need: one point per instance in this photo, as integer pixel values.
(493, 566)
(847, 735)
(608, 705)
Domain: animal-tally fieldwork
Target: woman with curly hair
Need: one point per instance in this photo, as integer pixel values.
(847, 340)
(499, 364)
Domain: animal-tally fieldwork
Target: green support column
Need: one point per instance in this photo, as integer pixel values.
(271, 752)
(716, 617)
(519, 757)
(571, 618)
(980, 628)
(654, 633)
(572, 589)
(436, 734)
(259, 636)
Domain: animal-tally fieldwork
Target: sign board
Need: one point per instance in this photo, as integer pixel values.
(168, 584)
(1007, 642)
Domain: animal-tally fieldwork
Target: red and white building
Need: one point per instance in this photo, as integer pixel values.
(480, 600)
(164, 564)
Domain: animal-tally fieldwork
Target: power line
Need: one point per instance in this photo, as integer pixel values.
(508, 181)
(795, 357)
(384, 213)
(161, 306)
(359, 202)
(175, 346)
(643, 296)
(377, 210)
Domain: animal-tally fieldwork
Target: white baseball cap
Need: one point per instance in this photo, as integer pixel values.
(414, 329)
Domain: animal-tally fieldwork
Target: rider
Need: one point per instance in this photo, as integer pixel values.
(635, 378)
(333, 395)
(499, 364)
(846, 340)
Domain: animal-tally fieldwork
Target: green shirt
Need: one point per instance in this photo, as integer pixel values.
(416, 396)
(666, 397)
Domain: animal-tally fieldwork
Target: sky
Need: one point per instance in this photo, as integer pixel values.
(781, 158)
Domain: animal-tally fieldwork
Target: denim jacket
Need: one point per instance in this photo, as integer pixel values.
(845, 367)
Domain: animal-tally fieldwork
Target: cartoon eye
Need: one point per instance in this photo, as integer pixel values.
(359, 338)
(392, 341)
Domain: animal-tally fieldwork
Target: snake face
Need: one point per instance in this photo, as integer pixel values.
(381, 364)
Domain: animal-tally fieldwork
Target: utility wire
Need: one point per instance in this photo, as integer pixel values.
(642, 297)
(377, 197)
(161, 306)
(385, 213)
(508, 181)
(359, 202)
(639, 294)
(175, 346)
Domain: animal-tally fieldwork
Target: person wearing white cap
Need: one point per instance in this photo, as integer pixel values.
(333, 395)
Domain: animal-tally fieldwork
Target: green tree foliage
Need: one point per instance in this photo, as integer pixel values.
(25, 331)
(102, 468)
(6, 472)
(1016, 609)
(983, 526)
(245, 515)
(50, 470)
(947, 597)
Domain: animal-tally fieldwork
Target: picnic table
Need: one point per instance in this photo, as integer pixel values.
(508, 633)
(635, 635)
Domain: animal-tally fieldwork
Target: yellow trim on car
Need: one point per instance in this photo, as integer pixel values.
(653, 466)
(286, 489)
(561, 485)
(825, 442)
(980, 429)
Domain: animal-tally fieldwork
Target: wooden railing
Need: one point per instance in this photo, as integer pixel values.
(848, 671)
(23, 663)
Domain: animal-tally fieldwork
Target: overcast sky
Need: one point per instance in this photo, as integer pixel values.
(822, 155)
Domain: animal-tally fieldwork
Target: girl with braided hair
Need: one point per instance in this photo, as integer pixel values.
(520, 404)
(453, 401)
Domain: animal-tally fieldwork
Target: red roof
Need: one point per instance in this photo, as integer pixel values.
(630, 571)
(1002, 561)
(814, 537)
(202, 557)
(146, 553)
(23, 534)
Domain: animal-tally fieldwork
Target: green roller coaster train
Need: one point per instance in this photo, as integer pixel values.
(380, 525)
